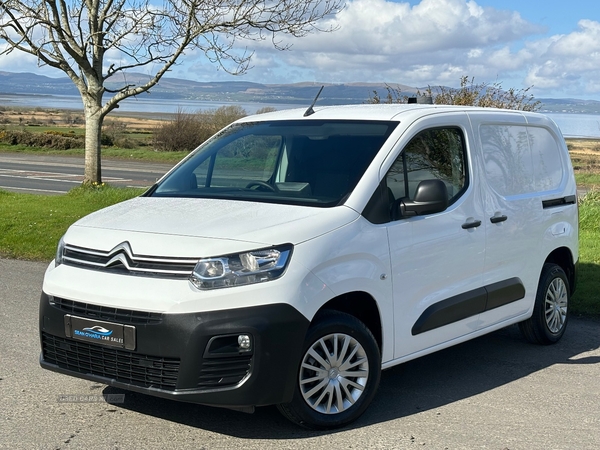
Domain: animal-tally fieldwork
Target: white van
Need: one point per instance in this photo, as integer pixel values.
(293, 256)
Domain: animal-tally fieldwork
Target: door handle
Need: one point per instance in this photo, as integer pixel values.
(473, 224)
(498, 219)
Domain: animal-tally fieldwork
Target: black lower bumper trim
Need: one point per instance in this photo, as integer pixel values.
(173, 358)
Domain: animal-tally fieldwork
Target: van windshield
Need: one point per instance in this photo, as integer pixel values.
(306, 162)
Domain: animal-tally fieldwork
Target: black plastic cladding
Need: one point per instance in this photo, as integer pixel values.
(277, 332)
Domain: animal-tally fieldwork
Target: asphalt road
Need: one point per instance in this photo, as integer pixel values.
(58, 174)
(496, 392)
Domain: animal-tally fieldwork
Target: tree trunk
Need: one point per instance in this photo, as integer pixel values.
(93, 132)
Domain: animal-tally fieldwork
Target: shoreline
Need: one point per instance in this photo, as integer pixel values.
(14, 115)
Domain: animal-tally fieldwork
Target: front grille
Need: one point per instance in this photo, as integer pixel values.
(224, 372)
(121, 365)
(121, 259)
(126, 316)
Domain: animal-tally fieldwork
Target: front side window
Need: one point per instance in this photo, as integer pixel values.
(308, 162)
(437, 153)
(433, 154)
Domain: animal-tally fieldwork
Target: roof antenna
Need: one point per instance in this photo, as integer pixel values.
(310, 111)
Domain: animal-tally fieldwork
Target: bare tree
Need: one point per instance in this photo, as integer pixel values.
(80, 38)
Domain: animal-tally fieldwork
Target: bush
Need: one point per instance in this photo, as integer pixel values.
(50, 140)
(487, 95)
(112, 131)
(187, 131)
(127, 143)
(182, 133)
(61, 133)
(211, 121)
(106, 140)
(265, 109)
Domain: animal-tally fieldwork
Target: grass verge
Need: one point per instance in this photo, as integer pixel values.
(31, 225)
(588, 180)
(587, 297)
(136, 154)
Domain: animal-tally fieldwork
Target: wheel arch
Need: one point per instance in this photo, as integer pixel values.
(563, 257)
(362, 306)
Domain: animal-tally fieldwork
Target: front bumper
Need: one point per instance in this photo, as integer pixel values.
(189, 357)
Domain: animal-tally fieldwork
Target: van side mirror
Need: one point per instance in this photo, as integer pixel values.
(431, 197)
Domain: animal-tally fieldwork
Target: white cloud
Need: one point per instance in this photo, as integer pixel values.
(437, 41)
(387, 28)
(568, 63)
(429, 43)
(378, 39)
(16, 61)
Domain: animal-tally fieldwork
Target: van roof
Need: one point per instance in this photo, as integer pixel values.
(367, 111)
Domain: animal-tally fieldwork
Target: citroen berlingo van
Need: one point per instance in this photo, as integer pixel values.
(295, 255)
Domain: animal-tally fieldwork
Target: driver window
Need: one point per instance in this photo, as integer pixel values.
(436, 153)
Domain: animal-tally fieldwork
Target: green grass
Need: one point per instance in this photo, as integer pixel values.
(31, 225)
(587, 179)
(138, 154)
(587, 297)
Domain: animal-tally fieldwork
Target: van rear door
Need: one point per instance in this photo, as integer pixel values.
(521, 166)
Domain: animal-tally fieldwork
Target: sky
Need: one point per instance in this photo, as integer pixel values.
(552, 46)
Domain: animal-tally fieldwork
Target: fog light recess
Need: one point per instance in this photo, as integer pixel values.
(229, 345)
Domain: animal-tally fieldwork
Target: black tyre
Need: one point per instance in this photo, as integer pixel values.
(338, 374)
(550, 313)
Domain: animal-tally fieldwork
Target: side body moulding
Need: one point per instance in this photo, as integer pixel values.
(469, 304)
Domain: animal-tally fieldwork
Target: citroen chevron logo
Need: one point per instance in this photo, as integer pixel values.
(121, 254)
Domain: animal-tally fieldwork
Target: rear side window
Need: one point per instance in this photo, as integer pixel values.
(546, 159)
(520, 160)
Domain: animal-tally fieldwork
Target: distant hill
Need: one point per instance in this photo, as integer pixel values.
(30, 83)
(244, 91)
(176, 88)
(570, 105)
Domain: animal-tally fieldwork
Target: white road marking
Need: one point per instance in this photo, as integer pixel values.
(12, 188)
(51, 176)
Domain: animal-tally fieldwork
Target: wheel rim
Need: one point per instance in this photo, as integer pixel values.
(556, 305)
(334, 373)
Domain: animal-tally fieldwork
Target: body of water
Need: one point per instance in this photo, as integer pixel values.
(577, 125)
(145, 103)
(571, 125)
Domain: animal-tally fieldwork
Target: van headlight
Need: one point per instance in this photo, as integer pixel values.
(239, 269)
(60, 250)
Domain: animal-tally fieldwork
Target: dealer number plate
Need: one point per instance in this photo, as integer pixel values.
(100, 332)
